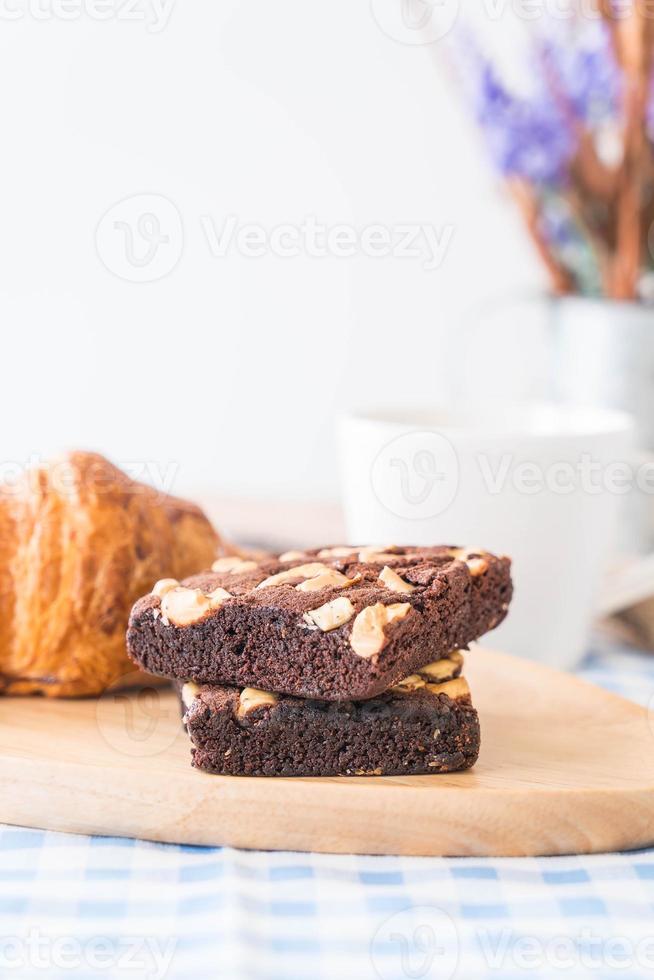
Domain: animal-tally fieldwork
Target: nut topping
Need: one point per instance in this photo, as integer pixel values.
(329, 579)
(367, 637)
(251, 698)
(393, 581)
(411, 683)
(190, 692)
(299, 571)
(432, 674)
(182, 607)
(456, 688)
(233, 563)
(442, 670)
(330, 616)
(292, 555)
(218, 596)
(472, 558)
(477, 566)
(378, 556)
(339, 552)
(164, 585)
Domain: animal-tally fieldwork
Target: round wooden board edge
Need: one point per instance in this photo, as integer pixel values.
(432, 821)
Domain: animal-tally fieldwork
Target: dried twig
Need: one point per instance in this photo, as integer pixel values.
(626, 193)
(608, 197)
(635, 36)
(560, 279)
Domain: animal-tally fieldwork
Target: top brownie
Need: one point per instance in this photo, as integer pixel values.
(335, 624)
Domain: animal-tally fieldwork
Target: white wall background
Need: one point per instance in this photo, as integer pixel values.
(235, 367)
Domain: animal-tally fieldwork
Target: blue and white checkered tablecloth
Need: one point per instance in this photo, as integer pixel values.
(105, 907)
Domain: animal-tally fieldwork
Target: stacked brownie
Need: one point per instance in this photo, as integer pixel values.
(338, 661)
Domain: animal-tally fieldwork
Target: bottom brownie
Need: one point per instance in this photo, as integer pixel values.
(417, 727)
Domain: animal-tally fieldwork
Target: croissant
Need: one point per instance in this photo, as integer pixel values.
(79, 542)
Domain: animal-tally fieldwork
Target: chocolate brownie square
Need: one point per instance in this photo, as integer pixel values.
(332, 624)
(424, 725)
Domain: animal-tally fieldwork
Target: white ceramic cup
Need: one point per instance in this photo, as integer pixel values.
(541, 483)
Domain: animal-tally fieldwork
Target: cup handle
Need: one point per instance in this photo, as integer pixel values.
(626, 585)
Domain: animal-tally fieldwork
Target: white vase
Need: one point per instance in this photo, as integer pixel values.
(604, 357)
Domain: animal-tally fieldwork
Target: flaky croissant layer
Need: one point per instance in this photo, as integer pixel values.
(79, 542)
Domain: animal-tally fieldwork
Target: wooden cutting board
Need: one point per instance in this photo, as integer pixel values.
(564, 767)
